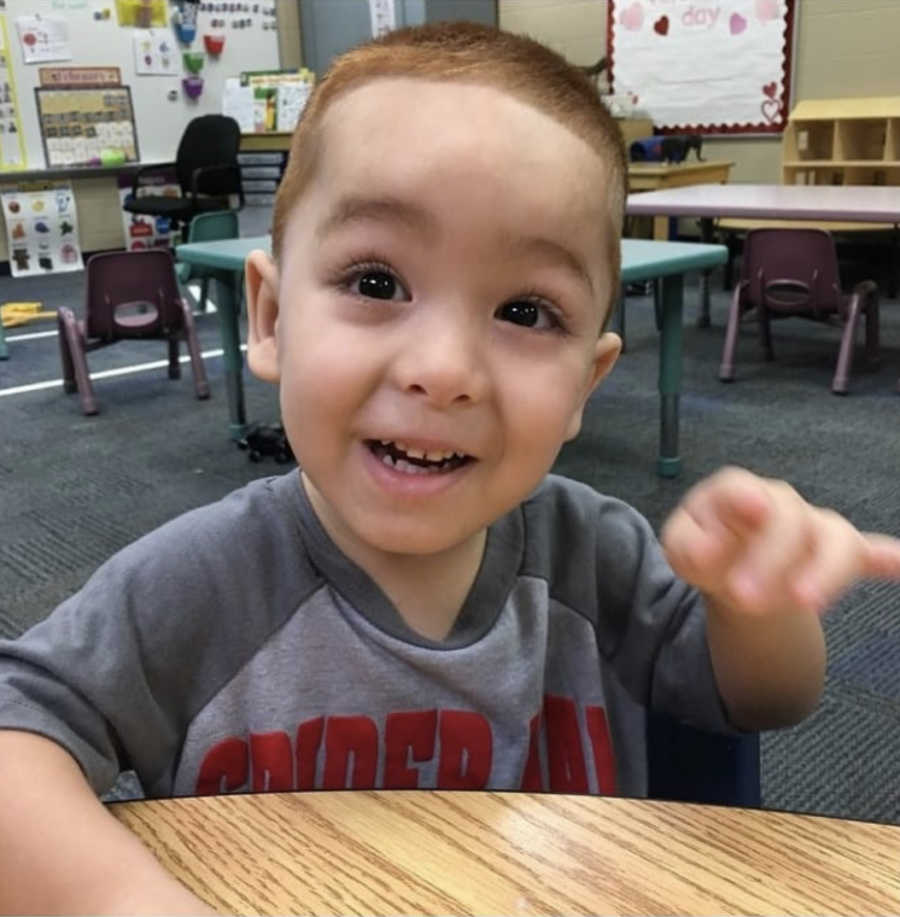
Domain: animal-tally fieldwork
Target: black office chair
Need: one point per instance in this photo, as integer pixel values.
(207, 169)
(689, 765)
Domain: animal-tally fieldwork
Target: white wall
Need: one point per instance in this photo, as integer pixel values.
(160, 122)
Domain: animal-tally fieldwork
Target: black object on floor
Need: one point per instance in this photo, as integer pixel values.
(261, 440)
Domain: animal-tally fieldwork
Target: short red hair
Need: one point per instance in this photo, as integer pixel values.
(465, 52)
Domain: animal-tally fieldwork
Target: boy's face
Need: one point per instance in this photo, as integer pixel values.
(441, 291)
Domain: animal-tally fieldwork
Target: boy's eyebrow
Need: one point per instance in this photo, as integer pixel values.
(354, 208)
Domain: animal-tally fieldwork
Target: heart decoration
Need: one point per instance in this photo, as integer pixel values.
(661, 26)
(737, 23)
(771, 109)
(766, 10)
(632, 17)
(770, 89)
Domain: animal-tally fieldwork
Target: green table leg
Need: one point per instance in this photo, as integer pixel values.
(670, 353)
(4, 350)
(227, 288)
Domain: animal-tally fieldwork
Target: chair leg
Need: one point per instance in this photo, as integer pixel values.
(65, 353)
(201, 384)
(174, 365)
(845, 355)
(75, 345)
(726, 368)
(203, 303)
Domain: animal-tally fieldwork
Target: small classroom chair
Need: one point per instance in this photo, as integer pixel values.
(128, 295)
(689, 765)
(206, 227)
(794, 272)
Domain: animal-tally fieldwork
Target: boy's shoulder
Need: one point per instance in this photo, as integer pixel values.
(594, 551)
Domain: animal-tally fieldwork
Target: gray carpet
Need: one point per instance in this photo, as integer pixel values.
(74, 489)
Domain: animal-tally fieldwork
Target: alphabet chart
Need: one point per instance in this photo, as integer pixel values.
(710, 66)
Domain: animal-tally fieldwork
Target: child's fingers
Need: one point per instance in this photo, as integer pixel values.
(882, 556)
(735, 498)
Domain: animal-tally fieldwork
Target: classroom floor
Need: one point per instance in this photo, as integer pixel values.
(74, 489)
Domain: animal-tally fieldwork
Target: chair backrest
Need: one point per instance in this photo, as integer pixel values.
(209, 140)
(689, 765)
(791, 270)
(215, 225)
(131, 279)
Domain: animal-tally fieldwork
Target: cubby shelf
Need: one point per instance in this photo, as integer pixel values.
(843, 142)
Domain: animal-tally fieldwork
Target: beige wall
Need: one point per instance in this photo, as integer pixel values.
(843, 48)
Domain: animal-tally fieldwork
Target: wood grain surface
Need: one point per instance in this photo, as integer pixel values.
(426, 852)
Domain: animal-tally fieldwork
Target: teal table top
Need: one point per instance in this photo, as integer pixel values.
(646, 259)
(642, 259)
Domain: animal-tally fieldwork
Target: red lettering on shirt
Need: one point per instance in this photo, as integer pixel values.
(466, 750)
(273, 762)
(351, 753)
(224, 767)
(565, 756)
(407, 735)
(457, 743)
(309, 738)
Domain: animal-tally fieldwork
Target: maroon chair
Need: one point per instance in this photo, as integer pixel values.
(128, 295)
(794, 272)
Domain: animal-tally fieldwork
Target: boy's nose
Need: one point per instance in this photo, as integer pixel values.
(444, 362)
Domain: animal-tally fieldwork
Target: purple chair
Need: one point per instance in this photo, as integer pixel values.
(128, 295)
(794, 272)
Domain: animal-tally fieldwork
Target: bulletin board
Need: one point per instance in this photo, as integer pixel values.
(705, 66)
(80, 125)
(246, 40)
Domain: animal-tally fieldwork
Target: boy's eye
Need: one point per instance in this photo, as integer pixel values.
(528, 314)
(377, 285)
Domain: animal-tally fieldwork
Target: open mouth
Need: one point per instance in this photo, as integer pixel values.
(408, 459)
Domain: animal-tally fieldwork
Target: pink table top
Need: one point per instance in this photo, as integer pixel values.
(862, 203)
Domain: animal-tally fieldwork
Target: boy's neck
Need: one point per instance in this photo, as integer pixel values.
(428, 590)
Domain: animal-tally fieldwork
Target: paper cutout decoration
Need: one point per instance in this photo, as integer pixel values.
(720, 67)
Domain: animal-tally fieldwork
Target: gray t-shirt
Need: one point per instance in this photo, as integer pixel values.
(236, 648)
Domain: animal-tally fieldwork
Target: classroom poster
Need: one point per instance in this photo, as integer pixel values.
(717, 66)
(41, 231)
(87, 126)
(155, 53)
(12, 145)
(383, 16)
(43, 38)
(141, 229)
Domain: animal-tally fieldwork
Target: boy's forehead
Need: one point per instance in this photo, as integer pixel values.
(408, 130)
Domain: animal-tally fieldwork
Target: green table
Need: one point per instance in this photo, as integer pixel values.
(641, 260)
(668, 262)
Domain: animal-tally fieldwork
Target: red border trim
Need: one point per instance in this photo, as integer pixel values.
(761, 128)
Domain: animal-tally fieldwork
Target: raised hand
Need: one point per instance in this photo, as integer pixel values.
(754, 545)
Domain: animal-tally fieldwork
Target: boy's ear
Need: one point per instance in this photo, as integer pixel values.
(606, 352)
(261, 277)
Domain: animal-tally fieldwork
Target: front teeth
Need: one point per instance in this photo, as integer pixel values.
(421, 454)
(407, 467)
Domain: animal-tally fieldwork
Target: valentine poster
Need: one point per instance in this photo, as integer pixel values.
(710, 66)
(41, 231)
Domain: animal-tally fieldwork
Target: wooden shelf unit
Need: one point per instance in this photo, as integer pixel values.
(843, 142)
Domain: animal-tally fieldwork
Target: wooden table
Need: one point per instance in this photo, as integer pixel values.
(655, 176)
(642, 260)
(426, 852)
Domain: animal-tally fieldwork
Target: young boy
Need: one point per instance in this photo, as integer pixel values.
(420, 605)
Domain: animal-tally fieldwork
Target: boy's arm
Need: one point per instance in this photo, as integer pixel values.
(769, 564)
(61, 851)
